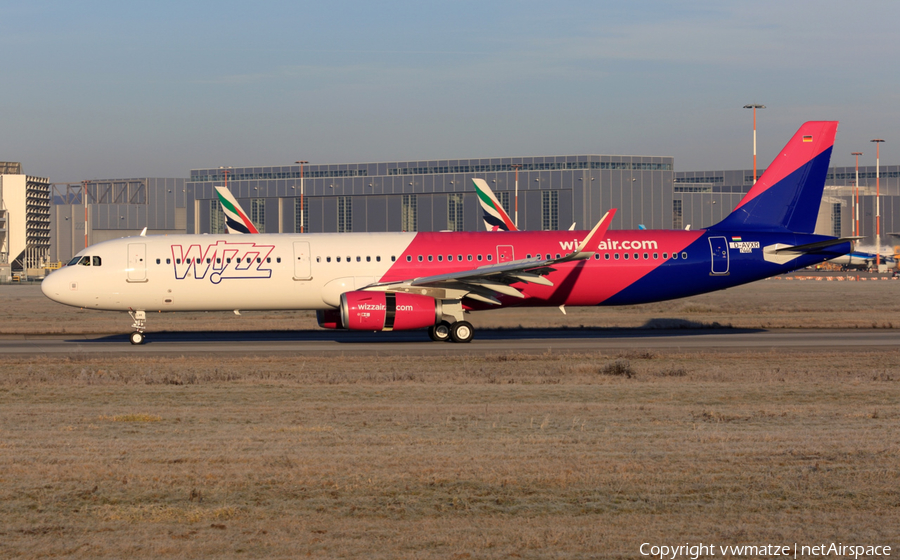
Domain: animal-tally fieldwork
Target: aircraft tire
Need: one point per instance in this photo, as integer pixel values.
(136, 337)
(462, 331)
(440, 332)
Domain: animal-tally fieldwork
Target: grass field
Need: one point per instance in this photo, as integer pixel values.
(499, 456)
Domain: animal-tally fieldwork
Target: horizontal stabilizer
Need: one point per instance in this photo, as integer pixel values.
(814, 247)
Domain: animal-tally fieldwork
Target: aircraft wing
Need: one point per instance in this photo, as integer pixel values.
(484, 282)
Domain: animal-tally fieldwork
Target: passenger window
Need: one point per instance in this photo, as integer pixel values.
(258, 260)
(459, 258)
(348, 259)
(168, 261)
(625, 255)
(479, 258)
(338, 259)
(645, 256)
(228, 260)
(408, 258)
(218, 260)
(674, 256)
(557, 255)
(327, 259)
(368, 259)
(157, 261)
(449, 258)
(597, 256)
(606, 256)
(358, 259)
(420, 258)
(655, 255)
(378, 258)
(430, 258)
(278, 260)
(528, 256)
(440, 258)
(177, 261)
(665, 255)
(683, 255)
(617, 256)
(393, 258)
(490, 257)
(208, 261)
(469, 258)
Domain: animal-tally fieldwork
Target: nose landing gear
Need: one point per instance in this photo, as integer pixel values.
(140, 320)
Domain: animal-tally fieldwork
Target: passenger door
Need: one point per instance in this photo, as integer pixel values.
(302, 264)
(137, 262)
(718, 247)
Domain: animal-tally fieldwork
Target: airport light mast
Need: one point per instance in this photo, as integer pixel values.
(302, 225)
(516, 166)
(878, 142)
(856, 195)
(754, 106)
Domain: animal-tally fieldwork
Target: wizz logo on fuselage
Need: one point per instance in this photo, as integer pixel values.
(222, 260)
(613, 245)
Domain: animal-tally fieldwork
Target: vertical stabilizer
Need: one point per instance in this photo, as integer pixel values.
(788, 195)
(495, 218)
(236, 221)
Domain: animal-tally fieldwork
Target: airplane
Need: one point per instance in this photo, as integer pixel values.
(430, 280)
(862, 260)
(236, 220)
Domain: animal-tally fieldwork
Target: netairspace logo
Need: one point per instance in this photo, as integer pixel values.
(695, 551)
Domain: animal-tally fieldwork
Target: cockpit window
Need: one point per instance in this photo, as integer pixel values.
(74, 261)
(85, 261)
(96, 261)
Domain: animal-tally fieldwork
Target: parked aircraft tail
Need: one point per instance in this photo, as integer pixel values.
(788, 195)
(236, 221)
(495, 218)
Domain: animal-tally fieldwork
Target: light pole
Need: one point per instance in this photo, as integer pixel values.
(516, 166)
(84, 185)
(225, 170)
(878, 142)
(302, 224)
(754, 106)
(856, 195)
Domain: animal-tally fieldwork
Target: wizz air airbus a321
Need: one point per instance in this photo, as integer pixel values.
(403, 281)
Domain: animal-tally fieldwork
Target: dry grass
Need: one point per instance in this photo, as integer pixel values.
(523, 456)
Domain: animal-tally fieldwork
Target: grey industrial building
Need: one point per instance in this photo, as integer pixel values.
(554, 193)
(702, 198)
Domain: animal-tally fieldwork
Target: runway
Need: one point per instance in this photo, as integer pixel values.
(316, 342)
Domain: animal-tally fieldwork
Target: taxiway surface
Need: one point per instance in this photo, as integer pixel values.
(486, 342)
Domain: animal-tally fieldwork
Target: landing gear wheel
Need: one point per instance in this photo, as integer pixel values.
(136, 337)
(440, 332)
(462, 331)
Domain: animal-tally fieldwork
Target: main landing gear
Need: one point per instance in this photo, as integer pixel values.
(460, 331)
(140, 320)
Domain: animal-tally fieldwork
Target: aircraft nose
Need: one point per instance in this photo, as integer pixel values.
(54, 285)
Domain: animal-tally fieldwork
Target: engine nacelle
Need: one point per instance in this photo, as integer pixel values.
(382, 311)
(329, 319)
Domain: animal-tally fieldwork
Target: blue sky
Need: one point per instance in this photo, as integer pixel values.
(100, 89)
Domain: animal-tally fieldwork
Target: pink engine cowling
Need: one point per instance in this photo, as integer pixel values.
(383, 311)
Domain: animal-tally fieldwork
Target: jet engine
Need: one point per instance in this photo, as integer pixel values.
(383, 311)
(329, 319)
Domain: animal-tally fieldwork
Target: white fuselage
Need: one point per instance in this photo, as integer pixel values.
(217, 272)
